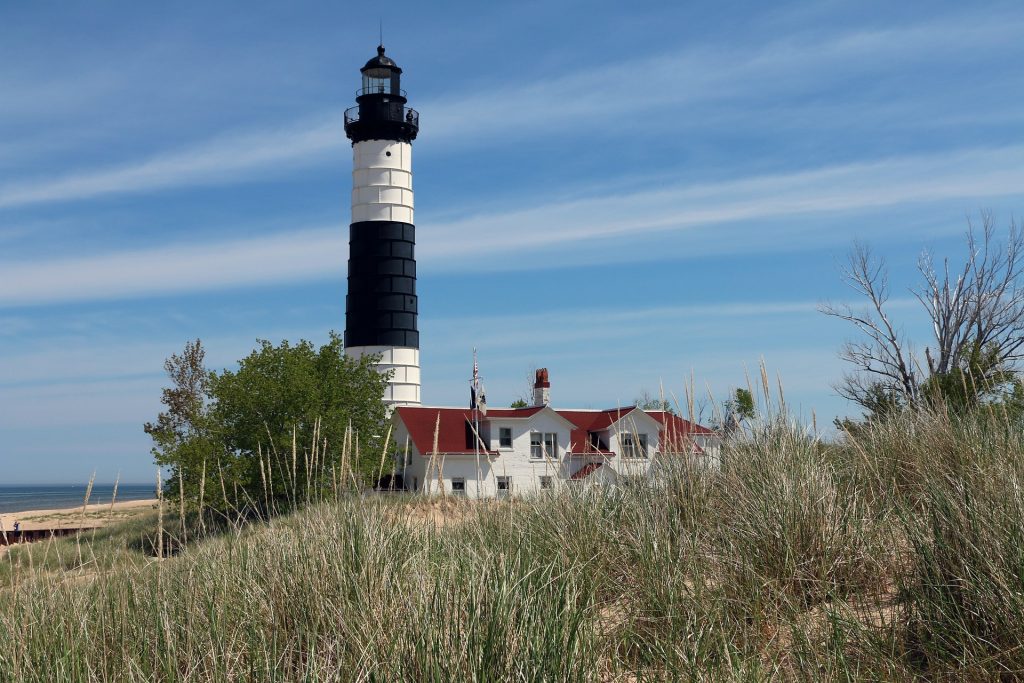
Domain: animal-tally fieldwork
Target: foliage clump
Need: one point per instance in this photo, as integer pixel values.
(286, 422)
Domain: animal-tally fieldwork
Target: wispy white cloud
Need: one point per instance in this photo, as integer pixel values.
(223, 160)
(567, 328)
(47, 358)
(563, 327)
(656, 87)
(585, 100)
(281, 257)
(698, 211)
(970, 174)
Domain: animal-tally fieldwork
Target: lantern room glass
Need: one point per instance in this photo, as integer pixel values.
(380, 81)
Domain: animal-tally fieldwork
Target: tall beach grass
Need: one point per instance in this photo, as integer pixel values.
(898, 555)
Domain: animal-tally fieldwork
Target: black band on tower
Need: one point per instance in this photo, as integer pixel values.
(381, 306)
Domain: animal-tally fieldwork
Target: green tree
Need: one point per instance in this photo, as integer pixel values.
(645, 401)
(879, 400)
(738, 410)
(184, 436)
(240, 426)
(285, 395)
(1013, 401)
(519, 403)
(983, 376)
(741, 406)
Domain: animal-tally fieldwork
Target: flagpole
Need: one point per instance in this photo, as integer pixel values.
(476, 420)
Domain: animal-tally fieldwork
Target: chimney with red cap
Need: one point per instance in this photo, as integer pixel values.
(542, 389)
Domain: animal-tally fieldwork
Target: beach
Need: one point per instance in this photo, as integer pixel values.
(97, 515)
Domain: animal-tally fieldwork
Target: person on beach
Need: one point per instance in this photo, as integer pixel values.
(17, 526)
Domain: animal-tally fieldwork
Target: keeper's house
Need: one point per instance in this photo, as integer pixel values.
(514, 451)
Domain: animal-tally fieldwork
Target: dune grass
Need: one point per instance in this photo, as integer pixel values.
(897, 556)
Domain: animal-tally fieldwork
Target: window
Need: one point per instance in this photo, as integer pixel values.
(545, 483)
(459, 486)
(504, 486)
(633, 445)
(379, 81)
(505, 437)
(543, 445)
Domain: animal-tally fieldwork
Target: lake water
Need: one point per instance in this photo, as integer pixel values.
(19, 498)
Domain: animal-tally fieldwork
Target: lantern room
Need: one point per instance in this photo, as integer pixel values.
(381, 76)
(381, 113)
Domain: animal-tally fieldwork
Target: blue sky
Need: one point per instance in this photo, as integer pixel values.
(631, 195)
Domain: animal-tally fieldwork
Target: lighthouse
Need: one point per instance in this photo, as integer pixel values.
(381, 307)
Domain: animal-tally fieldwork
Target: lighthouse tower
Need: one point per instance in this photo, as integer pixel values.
(381, 306)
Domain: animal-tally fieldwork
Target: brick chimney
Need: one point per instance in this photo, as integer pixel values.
(542, 389)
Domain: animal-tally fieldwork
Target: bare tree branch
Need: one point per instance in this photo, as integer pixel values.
(884, 350)
(976, 313)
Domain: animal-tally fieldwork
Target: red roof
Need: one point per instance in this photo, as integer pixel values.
(453, 427)
(585, 471)
(455, 434)
(676, 423)
(588, 421)
(514, 412)
(677, 432)
(595, 420)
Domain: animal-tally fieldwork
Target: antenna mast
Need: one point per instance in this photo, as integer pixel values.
(478, 404)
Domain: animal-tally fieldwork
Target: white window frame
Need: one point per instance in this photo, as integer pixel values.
(511, 442)
(455, 491)
(546, 482)
(630, 449)
(507, 481)
(544, 438)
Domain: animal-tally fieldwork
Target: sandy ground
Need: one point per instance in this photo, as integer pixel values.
(94, 516)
